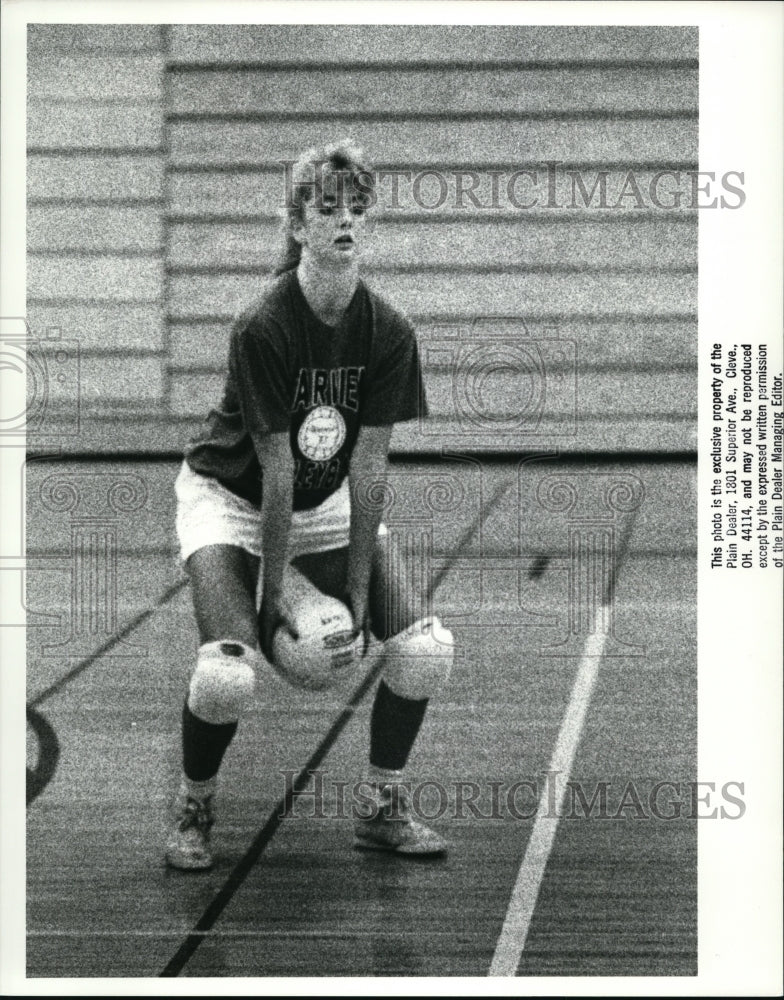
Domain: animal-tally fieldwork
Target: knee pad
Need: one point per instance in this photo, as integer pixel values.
(327, 650)
(223, 681)
(418, 660)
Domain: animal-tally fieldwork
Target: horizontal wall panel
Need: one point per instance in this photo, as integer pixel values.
(63, 76)
(428, 43)
(103, 381)
(464, 192)
(194, 395)
(592, 434)
(85, 37)
(422, 142)
(99, 278)
(638, 343)
(507, 397)
(90, 227)
(515, 294)
(224, 244)
(107, 327)
(155, 432)
(104, 178)
(468, 294)
(617, 242)
(643, 341)
(506, 410)
(200, 345)
(403, 91)
(127, 125)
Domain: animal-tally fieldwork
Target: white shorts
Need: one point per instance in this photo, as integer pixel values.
(209, 514)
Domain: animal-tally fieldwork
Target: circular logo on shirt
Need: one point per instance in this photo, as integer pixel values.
(322, 434)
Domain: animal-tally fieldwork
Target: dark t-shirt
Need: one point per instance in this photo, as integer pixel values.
(290, 371)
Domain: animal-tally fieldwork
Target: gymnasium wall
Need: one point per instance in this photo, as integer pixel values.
(155, 181)
(96, 214)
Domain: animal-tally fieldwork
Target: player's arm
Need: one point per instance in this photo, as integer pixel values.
(367, 469)
(277, 463)
(259, 367)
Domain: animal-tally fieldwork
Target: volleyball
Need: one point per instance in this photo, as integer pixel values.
(326, 649)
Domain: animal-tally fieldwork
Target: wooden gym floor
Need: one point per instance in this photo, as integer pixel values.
(517, 894)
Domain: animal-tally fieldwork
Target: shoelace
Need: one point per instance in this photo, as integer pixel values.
(197, 813)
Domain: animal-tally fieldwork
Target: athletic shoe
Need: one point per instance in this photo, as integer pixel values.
(393, 828)
(188, 846)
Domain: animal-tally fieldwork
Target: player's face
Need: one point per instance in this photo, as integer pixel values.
(333, 224)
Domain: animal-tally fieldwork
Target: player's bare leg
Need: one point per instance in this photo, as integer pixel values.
(223, 585)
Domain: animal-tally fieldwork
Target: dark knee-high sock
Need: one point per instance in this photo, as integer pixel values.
(203, 745)
(394, 724)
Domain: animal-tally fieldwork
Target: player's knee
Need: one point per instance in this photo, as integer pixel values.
(223, 681)
(418, 661)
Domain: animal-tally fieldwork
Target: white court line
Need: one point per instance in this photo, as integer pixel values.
(514, 932)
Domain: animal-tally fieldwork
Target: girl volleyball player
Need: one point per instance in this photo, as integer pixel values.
(319, 370)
